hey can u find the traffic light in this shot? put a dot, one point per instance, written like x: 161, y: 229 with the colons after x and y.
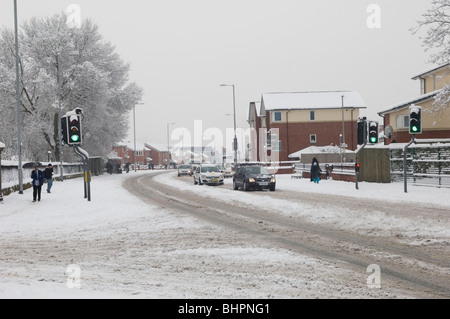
x: 64, y: 135
x: 373, y: 132
x: 362, y: 131
x: 357, y: 166
x: 415, y: 120
x: 74, y: 130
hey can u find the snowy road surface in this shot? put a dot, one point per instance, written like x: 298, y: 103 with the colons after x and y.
x: 173, y: 239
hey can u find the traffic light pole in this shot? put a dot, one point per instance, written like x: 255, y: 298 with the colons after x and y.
x: 87, y: 172
x: 356, y: 161
x: 405, y: 166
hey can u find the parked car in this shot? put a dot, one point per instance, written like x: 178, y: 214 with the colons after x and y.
x: 253, y: 177
x: 225, y: 171
x: 208, y: 174
x: 184, y: 170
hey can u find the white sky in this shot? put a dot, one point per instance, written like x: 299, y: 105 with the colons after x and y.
x: 181, y: 51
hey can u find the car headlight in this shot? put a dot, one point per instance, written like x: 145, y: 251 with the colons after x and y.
x: 220, y: 176
x: 251, y: 180
x: 272, y: 180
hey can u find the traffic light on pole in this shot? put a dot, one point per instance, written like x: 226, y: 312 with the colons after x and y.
x: 415, y: 119
x: 362, y: 131
x: 64, y: 133
x: 74, y: 130
x: 373, y: 132
x: 357, y: 166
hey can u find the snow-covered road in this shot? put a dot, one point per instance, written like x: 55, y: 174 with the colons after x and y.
x: 121, y: 246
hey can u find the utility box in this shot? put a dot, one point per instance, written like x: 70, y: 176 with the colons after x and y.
x: 375, y: 165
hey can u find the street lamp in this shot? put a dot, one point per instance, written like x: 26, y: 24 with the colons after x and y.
x: 134, y: 134
x: 19, y: 121
x: 168, y: 145
x: 234, y: 115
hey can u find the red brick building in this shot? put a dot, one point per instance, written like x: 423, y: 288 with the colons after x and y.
x: 289, y: 122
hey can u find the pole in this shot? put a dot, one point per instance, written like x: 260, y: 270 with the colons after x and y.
x: 134, y: 128
x: 168, y: 147
x: 19, y: 120
x: 61, y: 167
x: 235, y: 137
x: 405, y: 163
x: 87, y: 172
x: 343, y: 125
x: 356, y: 162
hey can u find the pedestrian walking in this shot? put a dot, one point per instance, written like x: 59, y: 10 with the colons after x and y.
x: 315, y: 171
x: 48, y: 175
x: 127, y: 167
x: 37, y: 177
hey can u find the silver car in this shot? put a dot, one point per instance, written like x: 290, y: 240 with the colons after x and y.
x: 184, y: 170
x: 208, y: 174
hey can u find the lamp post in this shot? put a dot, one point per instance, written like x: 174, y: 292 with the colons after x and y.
x: 168, y: 145
x: 343, y: 128
x: 134, y: 134
x: 19, y: 121
x: 234, y: 115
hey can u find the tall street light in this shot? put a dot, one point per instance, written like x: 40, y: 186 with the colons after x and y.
x: 134, y: 134
x: 168, y: 145
x: 234, y: 115
x: 19, y: 121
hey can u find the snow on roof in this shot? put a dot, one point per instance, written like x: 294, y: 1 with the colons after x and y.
x: 317, y: 150
x: 404, y: 104
x: 312, y: 100
x: 158, y: 147
x: 2, y: 145
x: 431, y: 70
x: 130, y: 145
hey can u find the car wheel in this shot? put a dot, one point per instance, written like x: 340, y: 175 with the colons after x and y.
x: 245, y: 186
x: 272, y: 189
x: 235, y: 187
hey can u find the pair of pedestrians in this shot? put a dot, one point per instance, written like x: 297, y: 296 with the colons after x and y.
x: 37, y: 178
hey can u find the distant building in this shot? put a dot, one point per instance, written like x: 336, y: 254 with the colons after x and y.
x: 125, y: 152
x: 396, y: 118
x: 305, y: 119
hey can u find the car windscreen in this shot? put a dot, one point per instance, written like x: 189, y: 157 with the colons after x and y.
x: 185, y: 166
x: 208, y: 169
x: 256, y: 170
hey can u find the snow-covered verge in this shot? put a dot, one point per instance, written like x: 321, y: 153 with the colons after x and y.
x: 122, y: 247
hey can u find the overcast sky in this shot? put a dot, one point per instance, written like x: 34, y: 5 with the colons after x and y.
x: 180, y: 52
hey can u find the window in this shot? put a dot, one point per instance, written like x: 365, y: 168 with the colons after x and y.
x: 277, y: 116
x: 402, y: 121
x: 312, y: 115
x: 313, y: 138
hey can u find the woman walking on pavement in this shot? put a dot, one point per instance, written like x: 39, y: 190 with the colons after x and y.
x: 315, y: 171
x: 37, y: 177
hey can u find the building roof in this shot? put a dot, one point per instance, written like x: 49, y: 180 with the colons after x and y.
x: 434, y: 69
x: 157, y: 147
x: 317, y: 150
x: 311, y: 100
x: 405, y: 104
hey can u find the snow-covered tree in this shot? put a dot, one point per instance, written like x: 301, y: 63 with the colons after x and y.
x: 93, y: 77
x: 436, y: 20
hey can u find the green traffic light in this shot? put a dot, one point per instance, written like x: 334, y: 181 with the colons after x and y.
x: 373, y: 139
x: 75, y: 138
x: 414, y: 128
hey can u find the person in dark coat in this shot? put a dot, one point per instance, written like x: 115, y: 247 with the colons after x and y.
x: 48, y: 175
x: 37, y: 178
x: 315, y: 171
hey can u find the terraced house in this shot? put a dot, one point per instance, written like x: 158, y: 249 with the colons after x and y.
x: 435, y: 124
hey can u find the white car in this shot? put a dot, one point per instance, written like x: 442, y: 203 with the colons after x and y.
x: 225, y: 171
x: 208, y: 174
